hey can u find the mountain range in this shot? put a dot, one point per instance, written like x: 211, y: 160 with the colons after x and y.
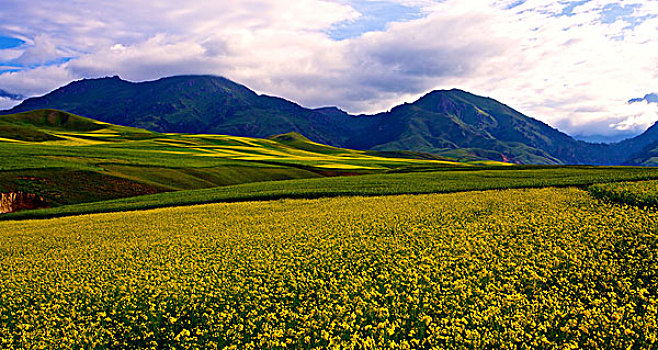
x: 449, y: 123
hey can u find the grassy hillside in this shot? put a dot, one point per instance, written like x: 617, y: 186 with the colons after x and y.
x: 54, y: 125
x: 70, y: 159
x: 528, y: 269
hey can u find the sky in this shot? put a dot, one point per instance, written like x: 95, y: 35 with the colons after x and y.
x: 588, y: 68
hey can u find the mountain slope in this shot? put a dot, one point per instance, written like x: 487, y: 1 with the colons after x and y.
x: 451, y: 123
x: 643, y: 149
x: 188, y: 104
x: 52, y: 125
x: 446, y: 122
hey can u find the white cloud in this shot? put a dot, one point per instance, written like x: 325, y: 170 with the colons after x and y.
x: 42, y: 51
x: 36, y: 81
x: 155, y: 57
x: 7, y: 103
x: 574, y: 72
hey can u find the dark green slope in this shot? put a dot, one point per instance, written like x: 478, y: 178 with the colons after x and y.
x: 450, y: 123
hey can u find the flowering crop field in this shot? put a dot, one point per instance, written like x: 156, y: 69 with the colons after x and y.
x: 640, y: 193
x: 511, y: 269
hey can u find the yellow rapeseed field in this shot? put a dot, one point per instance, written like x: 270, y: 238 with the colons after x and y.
x: 513, y: 269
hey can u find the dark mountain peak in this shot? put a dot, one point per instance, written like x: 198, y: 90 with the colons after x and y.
x: 441, y: 95
x: 82, y: 85
x: 453, y: 102
x: 199, y: 81
x: 331, y: 109
x: 201, y: 85
x: 114, y: 78
x: 449, y: 93
x: 219, y: 80
x: 455, y: 95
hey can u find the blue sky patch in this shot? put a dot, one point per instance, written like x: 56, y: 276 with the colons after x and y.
x: 649, y: 98
x: 515, y: 4
x: 610, y: 13
x: 571, y: 5
x: 7, y: 42
x: 375, y: 15
x: 9, y: 69
x: 16, y: 67
x: 614, y: 12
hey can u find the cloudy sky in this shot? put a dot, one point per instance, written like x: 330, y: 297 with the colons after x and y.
x: 572, y: 64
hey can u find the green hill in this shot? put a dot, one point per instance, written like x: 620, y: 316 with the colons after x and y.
x: 50, y: 125
x: 69, y: 159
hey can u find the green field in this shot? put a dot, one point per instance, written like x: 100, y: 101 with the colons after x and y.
x: 638, y: 193
x: 365, y: 185
x: 69, y: 159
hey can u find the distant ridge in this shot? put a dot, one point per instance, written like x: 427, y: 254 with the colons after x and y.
x: 452, y: 123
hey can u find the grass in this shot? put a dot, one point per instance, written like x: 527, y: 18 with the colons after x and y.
x: 640, y: 193
x: 365, y: 185
x: 51, y: 143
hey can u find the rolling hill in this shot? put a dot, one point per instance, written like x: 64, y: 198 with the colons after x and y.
x: 67, y: 159
x: 448, y: 123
